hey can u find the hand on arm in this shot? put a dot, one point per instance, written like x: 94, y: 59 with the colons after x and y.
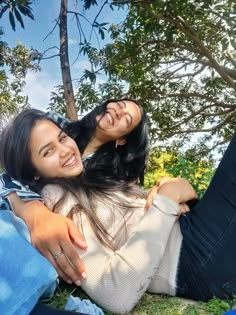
x: 178, y: 189
x: 52, y: 233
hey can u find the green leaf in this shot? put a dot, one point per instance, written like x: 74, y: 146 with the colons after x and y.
x: 26, y: 10
x: 12, y: 20
x: 3, y: 10
x: 89, y: 3
x: 19, y: 18
x: 89, y: 75
x: 101, y: 32
x: 104, y: 24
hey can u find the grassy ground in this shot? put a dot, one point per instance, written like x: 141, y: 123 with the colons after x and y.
x: 154, y: 304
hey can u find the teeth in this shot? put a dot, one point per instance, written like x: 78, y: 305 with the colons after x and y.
x: 70, y: 161
x: 109, y: 118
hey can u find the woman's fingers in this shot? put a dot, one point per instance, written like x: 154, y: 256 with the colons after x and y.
x: 64, y: 267
x: 65, y: 257
x: 72, y: 264
x: 151, y: 193
x: 52, y: 234
x: 75, y: 235
x: 60, y: 272
x: 183, y: 208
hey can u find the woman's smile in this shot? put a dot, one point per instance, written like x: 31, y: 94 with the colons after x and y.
x: 118, y: 120
x: 71, y: 161
x: 58, y: 155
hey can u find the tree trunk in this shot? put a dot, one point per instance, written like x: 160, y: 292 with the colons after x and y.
x: 65, y: 65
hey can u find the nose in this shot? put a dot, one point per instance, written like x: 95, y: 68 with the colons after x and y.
x: 119, y: 108
x: 63, y: 149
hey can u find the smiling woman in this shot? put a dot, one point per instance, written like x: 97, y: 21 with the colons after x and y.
x: 111, y: 211
x: 109, y: 122
x: 122, y: 159
x: 57, y: 151
x: 120, y: 119
x: 113, y: 140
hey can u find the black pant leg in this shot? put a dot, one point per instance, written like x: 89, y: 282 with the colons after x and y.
x: 212, y: 215
x: 208, y: 256
x: 43, y: 309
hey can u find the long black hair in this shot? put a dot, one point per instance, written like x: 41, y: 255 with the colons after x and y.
x: 120, y: 163
x: 107, y: 179
x: 15, y: 155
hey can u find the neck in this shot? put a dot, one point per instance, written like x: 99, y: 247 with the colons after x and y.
x: 92, y: 146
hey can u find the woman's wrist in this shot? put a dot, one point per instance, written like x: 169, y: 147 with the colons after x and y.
x: 27, y: 210
x: 17, y: 204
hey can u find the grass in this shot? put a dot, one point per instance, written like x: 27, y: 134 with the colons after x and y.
x: 153, y: 304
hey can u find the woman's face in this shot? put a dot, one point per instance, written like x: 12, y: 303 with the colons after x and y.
x: 53, y: 153
x: 120, y: 119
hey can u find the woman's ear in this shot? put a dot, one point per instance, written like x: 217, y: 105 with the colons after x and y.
x: 120, y: 141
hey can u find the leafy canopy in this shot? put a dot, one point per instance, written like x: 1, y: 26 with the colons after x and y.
x: 178, y: 58
x: 15, y: 9
x: 15, y: 62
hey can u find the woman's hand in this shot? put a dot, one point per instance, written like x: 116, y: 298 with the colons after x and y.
x: 54, y: 236
x: 177, y: 189
x: 183, y: 208
x: 150, y: 195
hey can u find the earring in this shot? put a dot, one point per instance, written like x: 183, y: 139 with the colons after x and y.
x: 36, y: 178
x: 119, y: 142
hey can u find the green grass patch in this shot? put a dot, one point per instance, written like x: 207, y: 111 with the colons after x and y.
x: 151, y: 304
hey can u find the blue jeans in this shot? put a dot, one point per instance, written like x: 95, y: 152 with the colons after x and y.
x: 207, y: 265
x: 25, y: 275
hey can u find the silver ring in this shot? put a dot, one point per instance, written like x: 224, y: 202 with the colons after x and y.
x: 58, y: 254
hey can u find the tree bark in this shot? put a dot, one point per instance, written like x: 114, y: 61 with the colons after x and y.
x: 65, y: 65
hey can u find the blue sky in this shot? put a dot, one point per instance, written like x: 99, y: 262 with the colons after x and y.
x: 39, y: 85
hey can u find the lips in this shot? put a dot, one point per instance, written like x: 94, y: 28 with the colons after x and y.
x: 70, y: 162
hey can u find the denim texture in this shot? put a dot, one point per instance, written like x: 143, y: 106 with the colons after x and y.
x: 25, y: 275
x: 207, y: 265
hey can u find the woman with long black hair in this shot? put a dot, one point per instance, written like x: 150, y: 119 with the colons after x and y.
x: 132, y: 249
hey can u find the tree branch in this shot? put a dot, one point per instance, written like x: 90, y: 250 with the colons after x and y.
x: 105, y: 3
x: 51, y: 32
x: 187, y: 30
x: 191, y: 34
x: 212, y: 129
x: 195, y: 94
x: 50, y: 57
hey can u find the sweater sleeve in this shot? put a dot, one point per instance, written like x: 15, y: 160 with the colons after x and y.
x: 118, y: 279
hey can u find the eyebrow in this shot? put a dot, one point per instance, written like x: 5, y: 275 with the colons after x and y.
x: 48, y: 144
x: 122, y: 102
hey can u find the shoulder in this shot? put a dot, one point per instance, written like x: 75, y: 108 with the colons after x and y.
x: 51, y: 194
x: 52, y: 188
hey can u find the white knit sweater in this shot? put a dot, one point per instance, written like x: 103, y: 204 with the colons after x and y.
x: 147, y: 252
